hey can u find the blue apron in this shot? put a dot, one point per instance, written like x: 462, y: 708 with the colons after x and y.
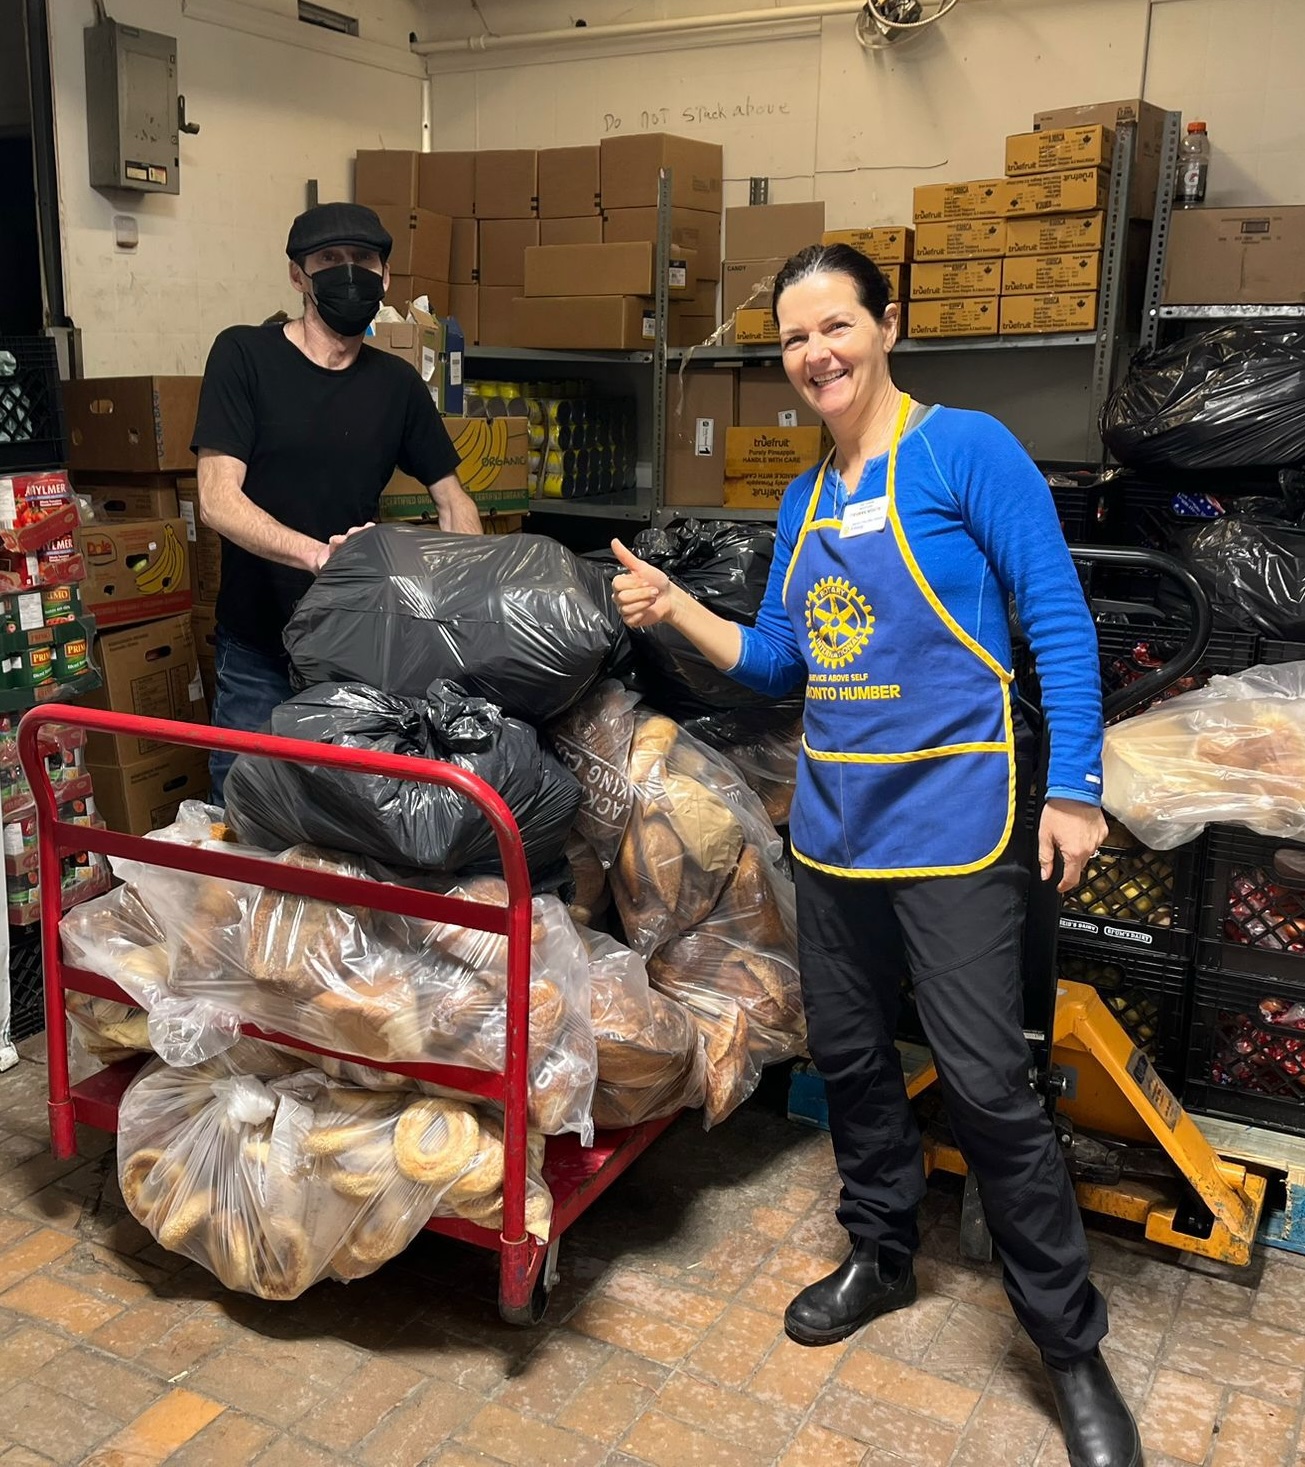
x: 908, y: 765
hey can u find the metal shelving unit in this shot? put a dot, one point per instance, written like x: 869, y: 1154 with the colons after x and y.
x: 768, y: 354
x: 1232, y: 313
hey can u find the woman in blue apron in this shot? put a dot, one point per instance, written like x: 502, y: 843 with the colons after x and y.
x: 894, y: 561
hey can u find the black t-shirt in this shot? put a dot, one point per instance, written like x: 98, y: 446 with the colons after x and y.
x: 318, y: 446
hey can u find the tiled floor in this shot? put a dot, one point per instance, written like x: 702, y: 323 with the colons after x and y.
x: 663, y: 1344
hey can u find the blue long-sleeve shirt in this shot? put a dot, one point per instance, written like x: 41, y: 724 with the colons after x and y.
x: 982, y: 525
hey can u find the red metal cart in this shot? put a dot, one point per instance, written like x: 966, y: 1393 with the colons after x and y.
x: 575, y: 1175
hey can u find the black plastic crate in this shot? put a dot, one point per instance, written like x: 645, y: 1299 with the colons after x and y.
x: 1146, y: 993
x: 33, y: 434
x: 26, y: 985
x: 1131, y: 646
x: 1246, y: 1055
x: 1133, y: 897
x: 1252, y: 918
x: 1273, y: 651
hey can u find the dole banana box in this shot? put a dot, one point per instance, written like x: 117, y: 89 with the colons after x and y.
x: 136, y: 570
x: 493, y: 466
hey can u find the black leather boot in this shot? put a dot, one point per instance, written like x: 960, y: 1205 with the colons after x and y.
x: 1098, y: 1426
x: 855, y: 1293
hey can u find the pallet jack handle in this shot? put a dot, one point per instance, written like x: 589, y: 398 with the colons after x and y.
x: 1042, y: 920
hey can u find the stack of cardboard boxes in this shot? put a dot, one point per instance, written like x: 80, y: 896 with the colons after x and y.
x: 758, y: 239
x: 502, y: 203
x: 1021, y: 254
x: 401, y: 187
x: 130, y: 453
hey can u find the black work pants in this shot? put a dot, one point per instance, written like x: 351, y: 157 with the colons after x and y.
x: 958, y: 940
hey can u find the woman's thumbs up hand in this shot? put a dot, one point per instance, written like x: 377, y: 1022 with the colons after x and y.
x: 643, y: 594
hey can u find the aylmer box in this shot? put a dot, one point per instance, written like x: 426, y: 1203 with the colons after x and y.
x: 136, y: 570
x: 151, y: 671
x: 131, y: 424
x: 760, y: 463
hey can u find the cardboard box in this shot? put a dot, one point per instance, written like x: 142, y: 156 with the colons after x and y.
x: 203, y: 626
x: 886, y: 244
x: 127, y: 502
x: 422, y: 241
x: 1046, y: 274
x: 582, y: 322
x: 493, y: 465
x: 977, y: 198
x: 738, y: 278
x: 703, y: 300
x: 1055, y: 234
x: 760, y: 463
x: 948, y: 279
x: 145, y: 796
x: 1051, y: 150
x: 1023, y: 315
x: 1237, y: 257
x: 689, y: 329
x: 755, y: 327
x: 136, y: 570
x: 140, y: 424
x: 628, y: 169
x: 203, y: 545
x: 386, y: 176
x: 506, y: 184
x: 503, y: 246
x: 768, y: 399
x: 464, y: 308
x: 446, y: 183
x: 961, y: 239
x: 568, y: 182
x: 699, y: 409
x: 691, y: 228
x: 607, y: 269
x: 464, y: 252
x: 759, y: 231
x: 582, y: 229
x: 1056, y: 193
x: 423, y: 343
x: 494, y: 310
x: 1148, y: 151
x: 972, y: 316
x: 151, y: 671
x: 404, y: 289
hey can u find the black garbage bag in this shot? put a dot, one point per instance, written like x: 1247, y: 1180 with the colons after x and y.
x: 1252, y: 569
x: 516, y: 619
x: 400, y: 823
x: 1225, y: 398
x: 725, y: 565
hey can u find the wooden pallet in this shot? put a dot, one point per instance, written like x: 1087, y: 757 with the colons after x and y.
x: 1279, y: 1157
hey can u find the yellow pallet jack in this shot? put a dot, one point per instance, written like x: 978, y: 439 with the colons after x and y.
x: 1133, y: 1150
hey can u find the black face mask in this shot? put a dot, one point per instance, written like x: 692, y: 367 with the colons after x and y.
x: 347, y: 297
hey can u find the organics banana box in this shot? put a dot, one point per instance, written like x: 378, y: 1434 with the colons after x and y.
x: 151, y: 670
x: 136, y: 570
x: 493, y: 465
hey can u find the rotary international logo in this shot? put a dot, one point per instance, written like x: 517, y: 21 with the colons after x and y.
x: 839, y: 621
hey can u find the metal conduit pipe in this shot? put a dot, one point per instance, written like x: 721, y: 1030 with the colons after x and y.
x: 588, y: 33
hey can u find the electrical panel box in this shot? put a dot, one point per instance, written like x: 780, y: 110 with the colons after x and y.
x: 131, y: 109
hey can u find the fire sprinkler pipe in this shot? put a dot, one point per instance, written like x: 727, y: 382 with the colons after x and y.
x: 626, y: 29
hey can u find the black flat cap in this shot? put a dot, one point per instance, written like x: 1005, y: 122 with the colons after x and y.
x: 338, y: 224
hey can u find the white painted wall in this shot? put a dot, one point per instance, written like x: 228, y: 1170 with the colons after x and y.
x: 273, y: 114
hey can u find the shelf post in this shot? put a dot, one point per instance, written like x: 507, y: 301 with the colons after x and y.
x: 660, y: 314
x: 1110, y: 306
x: 1164, y: 204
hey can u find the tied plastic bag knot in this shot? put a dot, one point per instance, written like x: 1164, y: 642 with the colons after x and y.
x: 243, y: 1100
x: 459, y: 720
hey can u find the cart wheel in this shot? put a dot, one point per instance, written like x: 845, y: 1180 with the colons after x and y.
x: 533, y: 1311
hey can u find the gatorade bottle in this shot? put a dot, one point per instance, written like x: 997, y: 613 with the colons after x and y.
x: 1193, y: 166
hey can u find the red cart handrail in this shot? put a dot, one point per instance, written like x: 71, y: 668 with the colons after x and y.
x: 58, y: 838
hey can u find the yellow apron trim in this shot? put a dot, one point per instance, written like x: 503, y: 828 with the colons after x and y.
x: 808, y: 523
x: 941, y: 751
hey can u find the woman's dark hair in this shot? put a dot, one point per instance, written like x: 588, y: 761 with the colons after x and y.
x: 836, y: 259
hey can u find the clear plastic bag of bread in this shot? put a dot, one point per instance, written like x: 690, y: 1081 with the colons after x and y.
x: 593, y: 740
x: 460, y: 975
x: 592, y: 896
x: 684, y: 836
x: 768, y: 763
x: 652, y: 1058
x: 273, y: 1181
x: 1230, y: 753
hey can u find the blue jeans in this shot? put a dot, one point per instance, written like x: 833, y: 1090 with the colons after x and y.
x: 250, y: 684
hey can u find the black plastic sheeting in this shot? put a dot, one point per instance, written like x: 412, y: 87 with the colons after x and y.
x: 516, y: 619
x: 401, y: 823
x: 1230, y: 397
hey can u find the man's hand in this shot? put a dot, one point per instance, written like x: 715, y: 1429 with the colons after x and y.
x: 457, y: 510
x: 334, y: 543
x: 643, y: 594
x: 1075, y: 829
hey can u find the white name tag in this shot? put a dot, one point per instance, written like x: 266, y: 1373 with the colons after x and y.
x: 863, y: 517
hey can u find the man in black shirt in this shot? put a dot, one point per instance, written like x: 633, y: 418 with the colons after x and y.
x: 300, y: 426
